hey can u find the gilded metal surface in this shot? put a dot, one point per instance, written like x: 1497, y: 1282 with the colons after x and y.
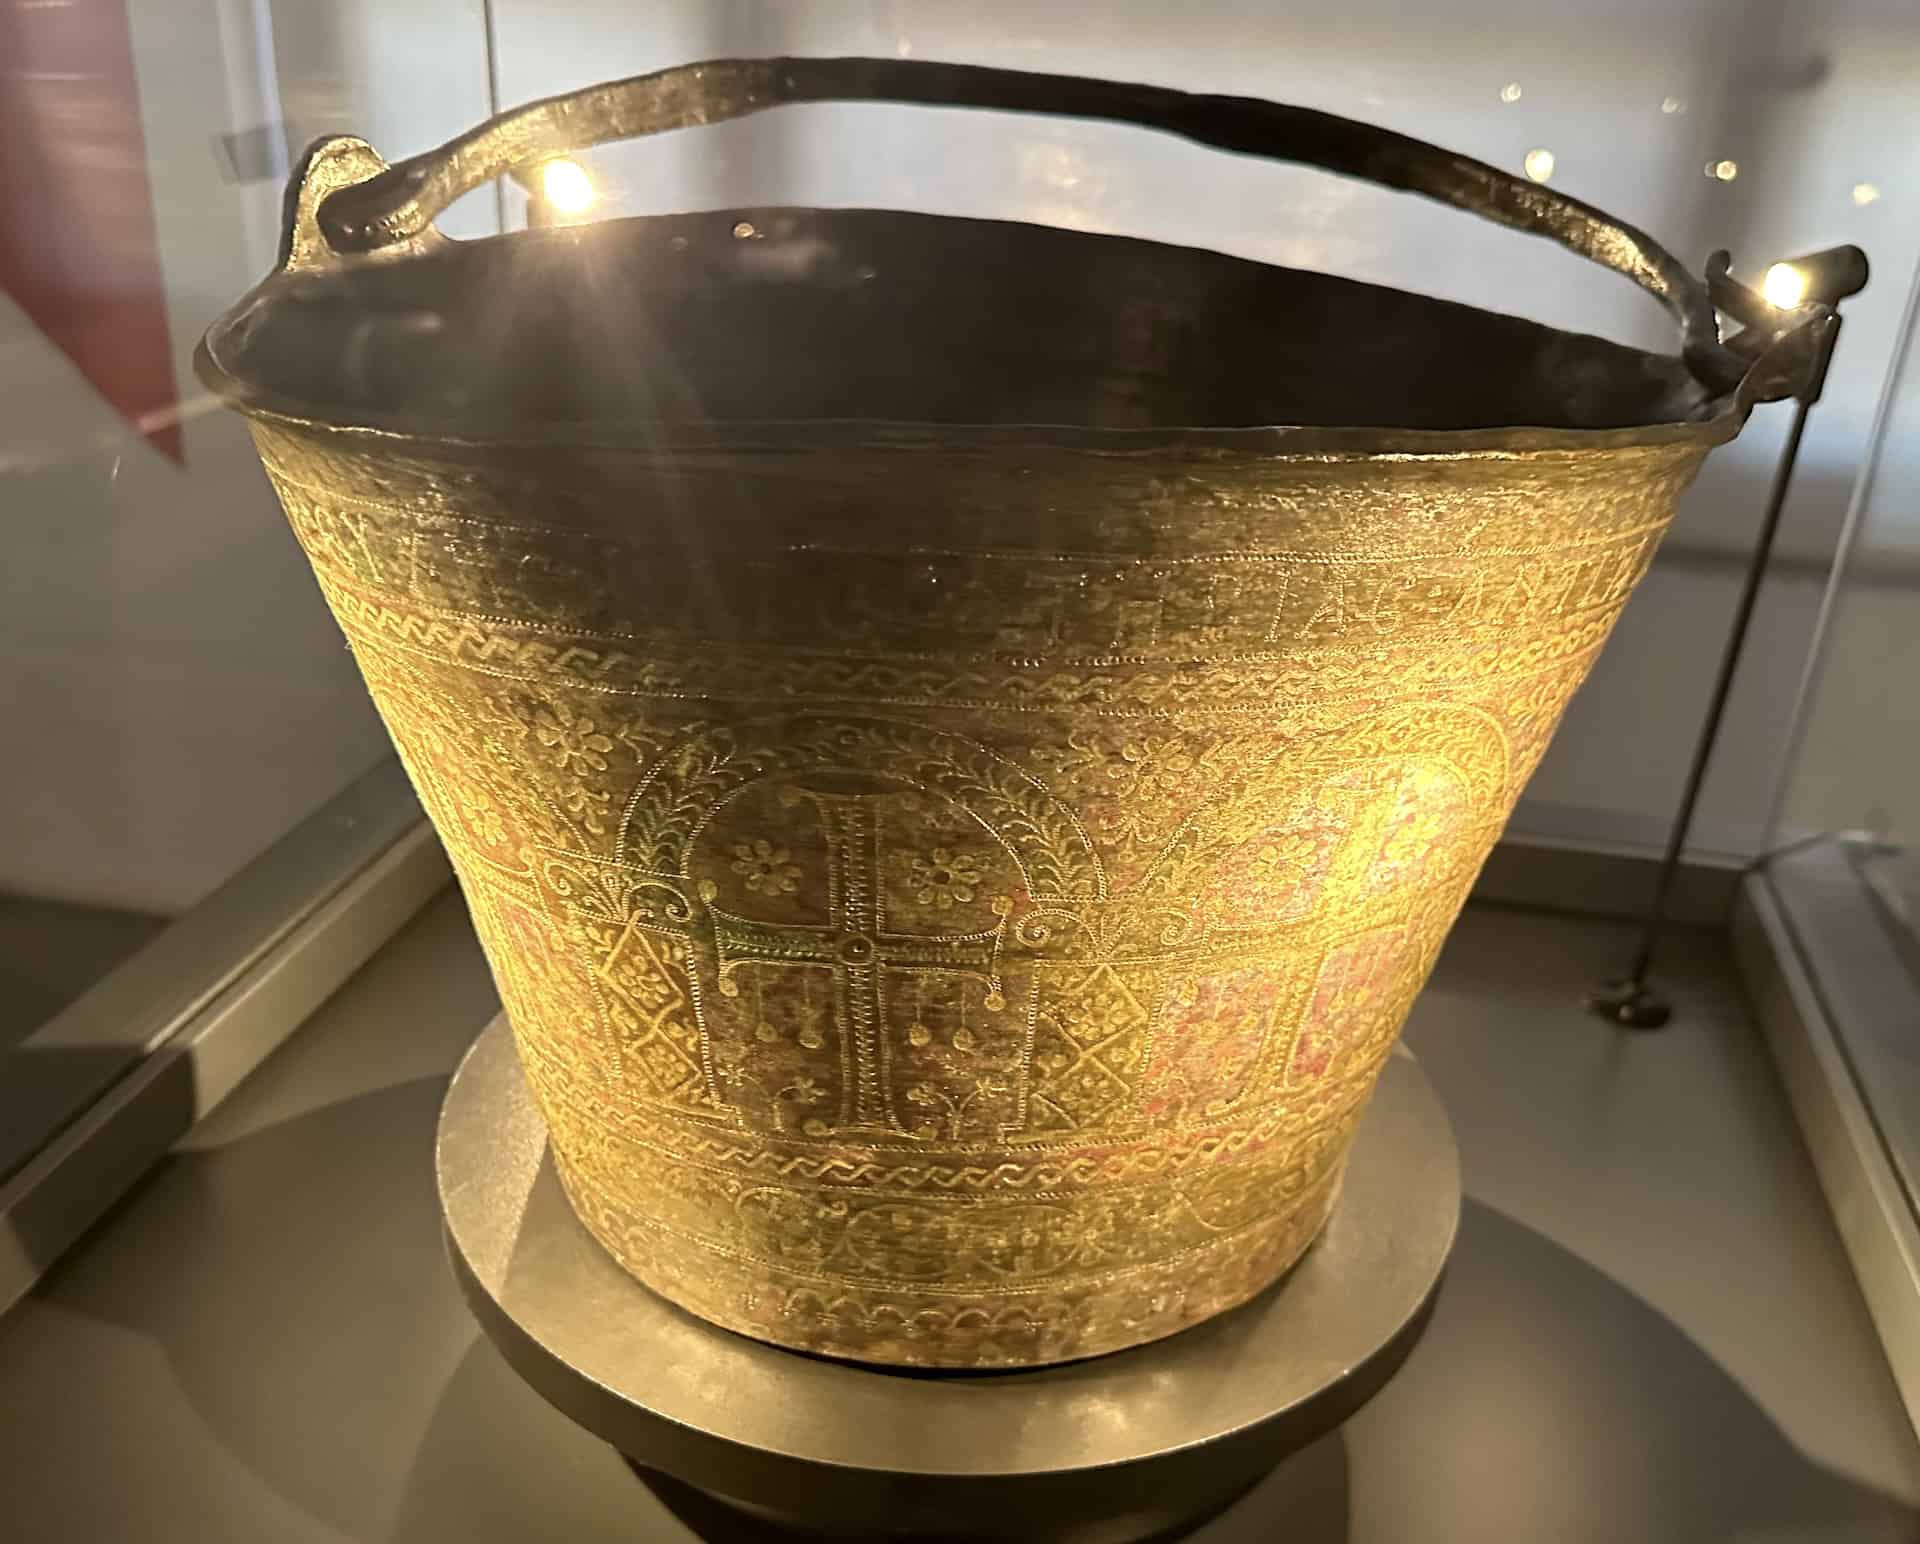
x: 973, y: 950
x: 955, y: 887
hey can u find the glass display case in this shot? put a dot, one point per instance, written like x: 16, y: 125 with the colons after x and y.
x: 1829, y: 921
x: 192, y: 771
x: 1856, y: 774
x: 862, y: 995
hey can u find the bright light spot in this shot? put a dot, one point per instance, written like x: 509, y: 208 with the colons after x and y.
x: 1865, y: 193
x: 743, y: 231
x: 1723, y: 171
x: 1510, y: 92
x: 1785, y: 286
x: 1539, y: 164
x: 567, y: 187
x: 1672, y: 105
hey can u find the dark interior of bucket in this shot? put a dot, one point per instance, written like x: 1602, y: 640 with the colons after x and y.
x: 747, y: 316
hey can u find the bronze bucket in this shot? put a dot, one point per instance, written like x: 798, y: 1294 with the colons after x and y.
x: 961, y: 739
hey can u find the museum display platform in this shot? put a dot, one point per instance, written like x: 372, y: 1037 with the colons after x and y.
x: 1648, y: 1329
x: 1118, y: 1447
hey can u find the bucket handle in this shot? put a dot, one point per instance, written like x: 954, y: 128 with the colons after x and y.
x: 395, y: 207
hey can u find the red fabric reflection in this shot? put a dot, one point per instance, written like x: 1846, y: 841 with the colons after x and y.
x: 78, y: 249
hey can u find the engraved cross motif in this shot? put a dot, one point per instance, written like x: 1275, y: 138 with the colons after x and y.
x: 859, y: 950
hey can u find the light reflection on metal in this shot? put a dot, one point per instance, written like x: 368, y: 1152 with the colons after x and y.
x: 955, y: 887
x: 1785, y: 286
x: 567, y: 188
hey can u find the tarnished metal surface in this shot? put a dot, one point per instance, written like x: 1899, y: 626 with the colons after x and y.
x: 954, y: 882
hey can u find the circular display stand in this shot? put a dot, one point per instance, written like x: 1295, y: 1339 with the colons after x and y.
x: 1119, y: 1447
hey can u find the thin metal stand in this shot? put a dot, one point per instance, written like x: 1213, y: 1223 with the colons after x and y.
x: 1629, y: 1000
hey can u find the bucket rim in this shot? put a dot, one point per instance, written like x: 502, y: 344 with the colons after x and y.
x: 1264, y: 442
x: 1721, y: 419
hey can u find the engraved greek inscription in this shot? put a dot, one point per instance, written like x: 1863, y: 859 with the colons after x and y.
x: 358, y: 528
x: 1219, y: 609
x: 1381, y: 610
x: 339, y: 539
x: 1134, y: 612
x: 1471, y: 603
x: 1634, y: 563
x: 1430, y: 596
x: 1041, y: 608
x: 1329, y: 619
x: 1561, y: 583
x: 946, y: 597
x: 1520, y: 598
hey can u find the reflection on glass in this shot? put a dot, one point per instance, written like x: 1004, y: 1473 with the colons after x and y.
x: 176, y: 697
x: 1858, y: 771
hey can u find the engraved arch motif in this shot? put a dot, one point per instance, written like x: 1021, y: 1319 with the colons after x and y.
x: 852, y: 980
x: 1275, y: 797
x: 711, y: 764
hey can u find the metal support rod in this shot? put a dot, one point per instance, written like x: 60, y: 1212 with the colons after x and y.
x: 1722, y: 689
x: 1629, y: 1000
